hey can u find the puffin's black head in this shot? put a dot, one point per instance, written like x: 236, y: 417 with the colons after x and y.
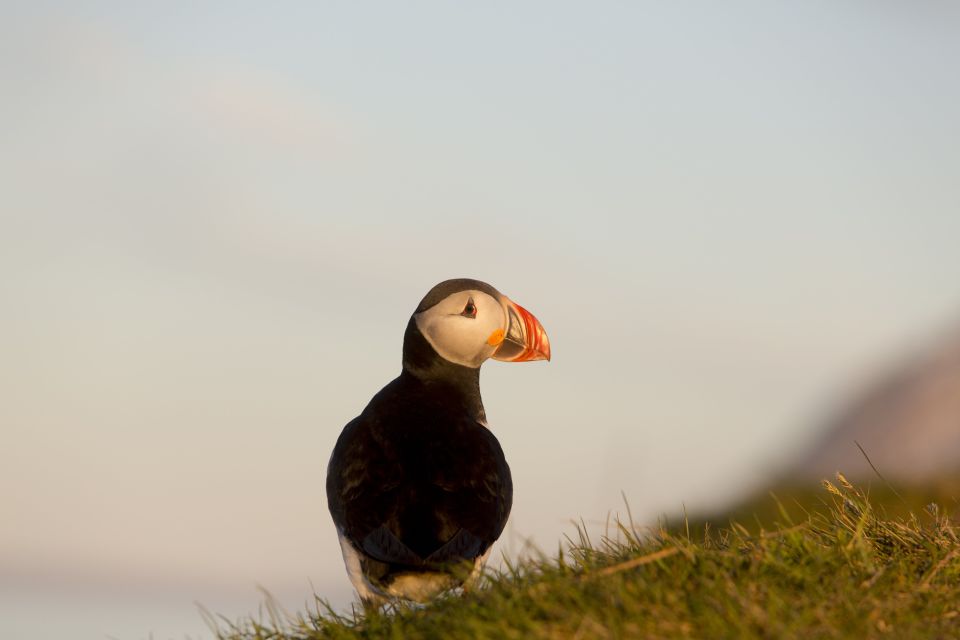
x: 466, y: 321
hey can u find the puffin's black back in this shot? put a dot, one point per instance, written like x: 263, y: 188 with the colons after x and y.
x: 416, y: 481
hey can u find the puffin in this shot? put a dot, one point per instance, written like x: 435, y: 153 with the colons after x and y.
x: 417, y: 485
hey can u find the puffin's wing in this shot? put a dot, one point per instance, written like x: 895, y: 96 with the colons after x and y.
x: 463, y: 545
x: 360, y: 485
x: 383, y: 545
x: 478, y: 494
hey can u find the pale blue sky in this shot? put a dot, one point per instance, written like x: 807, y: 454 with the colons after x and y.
x: 216, y: 220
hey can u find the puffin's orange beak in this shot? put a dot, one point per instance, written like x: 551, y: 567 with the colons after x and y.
x: 524, y: 339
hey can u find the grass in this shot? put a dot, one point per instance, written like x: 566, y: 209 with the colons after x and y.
x: 847, y: 568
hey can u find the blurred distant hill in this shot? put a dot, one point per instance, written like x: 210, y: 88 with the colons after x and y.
x: 908, y: 423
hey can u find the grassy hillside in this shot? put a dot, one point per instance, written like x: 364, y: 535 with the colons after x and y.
x: 846, y: 567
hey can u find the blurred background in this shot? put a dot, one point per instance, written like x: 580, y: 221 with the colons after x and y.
x: 739, y: 224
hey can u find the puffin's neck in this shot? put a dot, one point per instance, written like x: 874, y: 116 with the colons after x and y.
x: 452, y: 382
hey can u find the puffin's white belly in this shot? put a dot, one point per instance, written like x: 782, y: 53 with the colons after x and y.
x: 351, y: 559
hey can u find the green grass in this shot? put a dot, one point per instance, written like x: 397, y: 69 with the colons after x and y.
x: 846, y: 568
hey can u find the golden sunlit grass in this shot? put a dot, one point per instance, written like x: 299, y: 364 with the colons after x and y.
x: 846, y: 569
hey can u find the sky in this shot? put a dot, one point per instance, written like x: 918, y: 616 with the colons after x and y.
x: 216, y: 220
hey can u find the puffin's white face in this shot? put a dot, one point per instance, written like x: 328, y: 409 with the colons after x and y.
x: 465, y: 327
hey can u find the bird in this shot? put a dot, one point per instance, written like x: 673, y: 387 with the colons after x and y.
x: 417, y: 485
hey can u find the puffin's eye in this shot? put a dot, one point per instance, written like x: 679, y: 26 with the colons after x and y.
x: 469, y: 311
